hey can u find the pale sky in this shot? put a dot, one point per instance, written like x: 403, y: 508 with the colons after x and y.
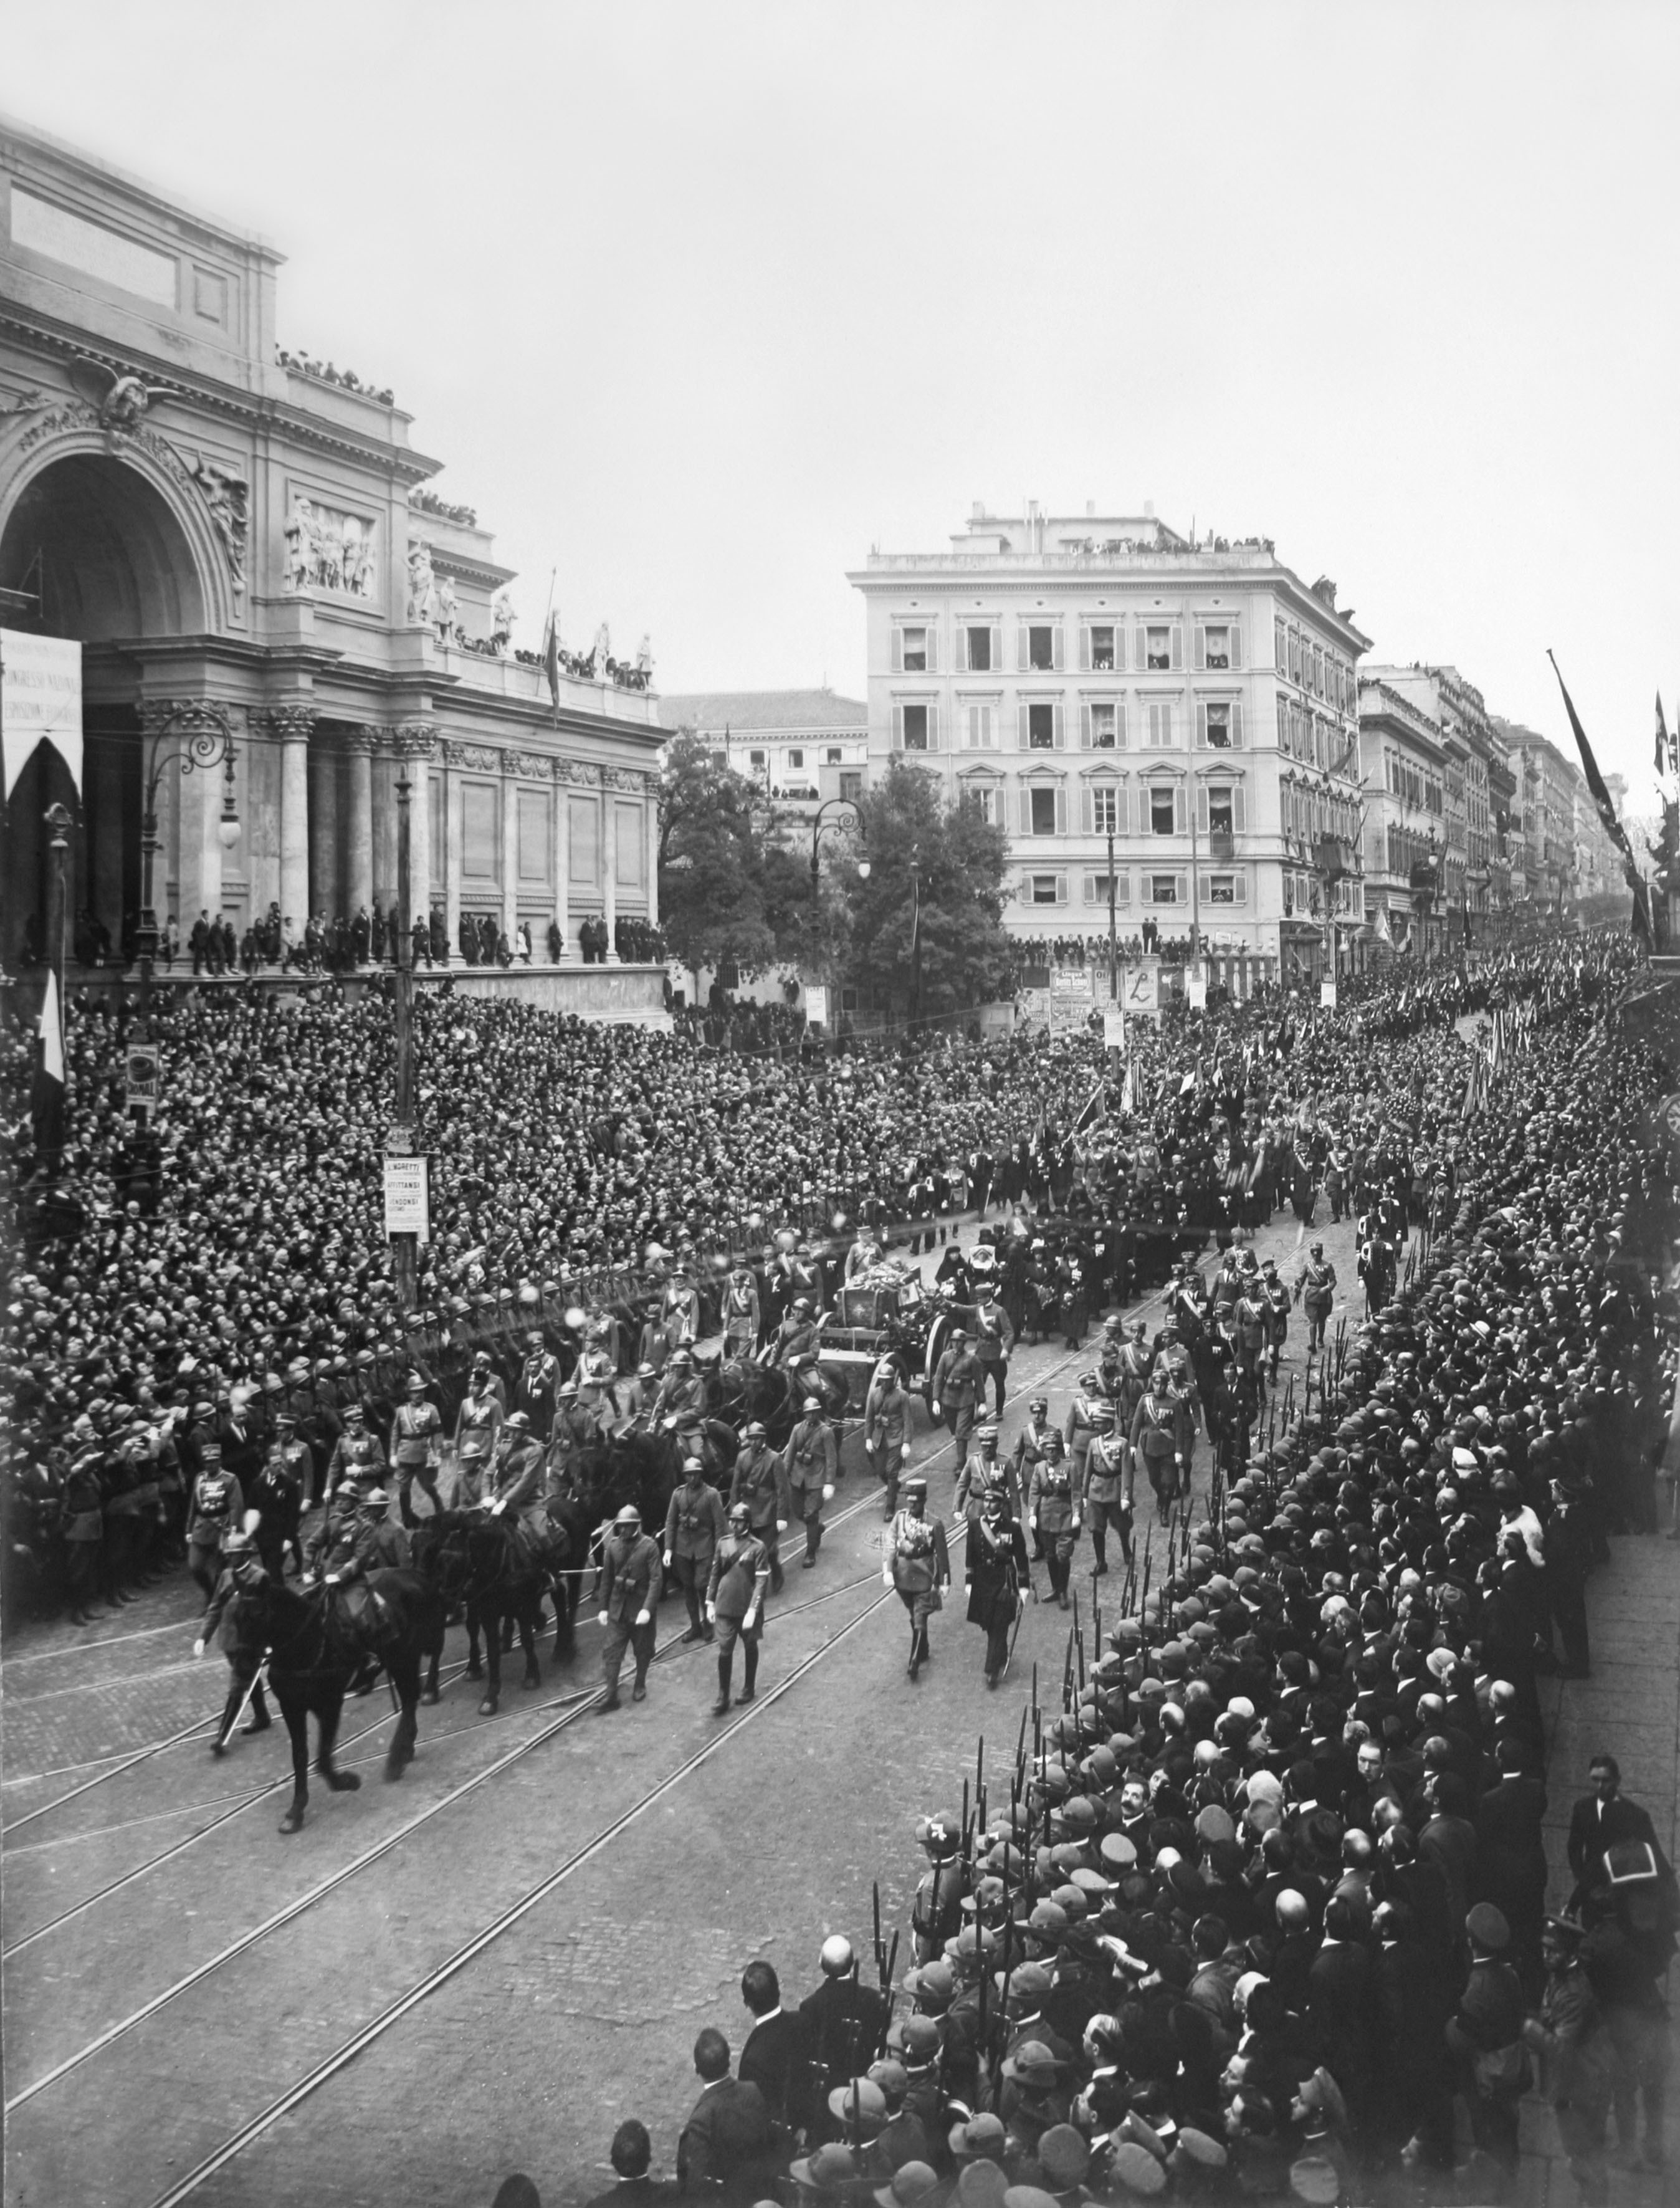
x: 698, y: 303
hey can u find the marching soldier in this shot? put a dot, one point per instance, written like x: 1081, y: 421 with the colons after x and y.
x: 358, y: 1456
x: 742, y: 1318
x: 1107, y: 1488
x: 994, y: 1338
x: 1090, y: 1401
x: 1134, y: 1363
x: 1052, y: 1510
x: 242, y: 1573
x: 216, y: 1504
x: 1277, y: 1300
x: 82, y: 1527
x: 535, y: 1389
x: 694, y: 1527
x: 1029, y: 1443
x: 416, y: 1435
x: 982, y: 1473
x: 812, y: 1464
x: 277, y: 1493
x: 1160, y: 1436
x: 477, y: 1425
x: 958, y: 1378
x: 760, y: 1482
x: 998, y: 1571
x: 629, y: 1594
x: 887, y: 1421
x: 735, y: 1603
x: 917, y: 1564
x: 1316, y: 1288
x: 1251, y: 1318
x: 936, y: 1913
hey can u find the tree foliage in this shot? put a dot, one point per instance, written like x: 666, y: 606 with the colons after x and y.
x: 961, y: 858
x: 716, y: 861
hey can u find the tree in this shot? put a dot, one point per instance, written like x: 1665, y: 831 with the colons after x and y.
x: 959, y: 858
x: 714, y: 839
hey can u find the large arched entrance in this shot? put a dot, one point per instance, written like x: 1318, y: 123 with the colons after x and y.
x: 90, y: 551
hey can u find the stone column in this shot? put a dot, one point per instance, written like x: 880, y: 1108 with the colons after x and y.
x: 415, y: 745
x: 452, y: 854
x: 358, y: 743
x: 560, y: 845
x: 650, y: 814
x: 326, y: 834
x: 289, y: 726
x: 609, y: 867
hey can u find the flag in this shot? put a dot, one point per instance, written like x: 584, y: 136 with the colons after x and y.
x: 1601, y: 798
x: 551, y: 659
x: 1660, y: 762
x: 46, y: 1106
x: 1094, y: 1109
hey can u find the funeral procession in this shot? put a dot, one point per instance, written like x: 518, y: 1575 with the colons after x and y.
x: 846, y: 1376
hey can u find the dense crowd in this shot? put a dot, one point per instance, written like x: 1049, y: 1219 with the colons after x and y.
x: 1262, y: 1907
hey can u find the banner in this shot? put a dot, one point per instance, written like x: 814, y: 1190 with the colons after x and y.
x: 1327, y: 995
x: 41, y: 701
x: 408, y: 1196
x: 1195, y: 990
x: 140, y: 1077
x: 1114, y: 1030
x: 1140, y: 986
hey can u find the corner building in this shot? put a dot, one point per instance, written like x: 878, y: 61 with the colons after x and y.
x: 1076, y: 678
x: 231, y: 529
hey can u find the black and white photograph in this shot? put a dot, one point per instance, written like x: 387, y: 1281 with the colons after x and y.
x: 840, y: 1048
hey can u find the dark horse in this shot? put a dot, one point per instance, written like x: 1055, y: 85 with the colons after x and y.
x: 315, y: 1650
x: 486, y: 1565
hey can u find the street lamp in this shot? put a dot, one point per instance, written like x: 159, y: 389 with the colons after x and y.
x: 59, y: 819
x: 207, y: 742
x: 839, y: 827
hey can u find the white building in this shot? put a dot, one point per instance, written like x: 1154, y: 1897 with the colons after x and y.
x: 802, y: 746
x: 1082, y: 678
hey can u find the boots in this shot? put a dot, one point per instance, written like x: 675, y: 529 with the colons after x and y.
x: 750, y: 1649
x: 724, y: 1666
x: 1100, y: 1542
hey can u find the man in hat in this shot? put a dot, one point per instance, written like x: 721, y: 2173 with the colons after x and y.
x: 1160, y: 1439
x: 417, y: 1436
x: 477, y: 1425
x: 1578, y: 2056
x: 1316, y: 1289
x: 737, y: 1581
x: 538, y: 1380
x: 994, y: 1338
x: 985, y: 1471
x: 1485, y: 2036
x: 241, y: 1574
x: 998, y: 1571
x: 743, y: 1320
x: 761, y: 1481
x: 216, y: 1504
x: 888, y: 1425
x: 797, y: 1335
x: 1053, y: 1513
x: 629, y: 1596
x: 812, y: 1465
x: 958, y: 1378
x: 278, y: 1494
x: 1108, y: 1487
x: 694, y: 1527
x: 915, y: 1561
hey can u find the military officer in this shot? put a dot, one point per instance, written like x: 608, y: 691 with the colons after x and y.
x: 994, y: 1338
x: 983, y: 1473
x: 694, y: 1527
x: 416, y: 1435
x: 216, y: 1504
x: 1133, y: 1370
x: 761, y: 1481
x: 1090, y: 1401
x: 936, y: 1912
x: 1277, y: 1301
x: 958, y: 1379
x: 1316, y: 1288
x: 629, y: 1594
x: 915, y: 1561
x: 1251, y: 1323
x: 242, y: 1573
x: 477, y: 1425
x: 1159, y: 1437
x: 737, y: 1586
x: 1107, y: 1489
x: 998, y: 1571
x: 813, y: 1466
x: 743, y: 1320
x: 887, y: 1423
x: 1054, y: 1505
x: 538, y: 1380
x: 1029, y: 1443
x: 358, y: 1456
x: 278, y: 1492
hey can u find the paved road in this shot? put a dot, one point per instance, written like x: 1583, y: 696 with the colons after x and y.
x: 672, y: 1846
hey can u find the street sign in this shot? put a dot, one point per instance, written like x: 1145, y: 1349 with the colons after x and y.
x: 1114, y: 1030
x: 816, y: 1003
x: 408, y: 1197
x: 1196, y: 990
x: 140, y: 1077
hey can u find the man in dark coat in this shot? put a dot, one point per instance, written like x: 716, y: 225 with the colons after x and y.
x: 727, y: 2143
x: 1511, y: 1860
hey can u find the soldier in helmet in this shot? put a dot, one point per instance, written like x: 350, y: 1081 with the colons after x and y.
x: 984, y: 1472
x: 797, y: 1337
x: 812, y: 1465
x: 1160, y: 1440
x: 694, y: 1527
x: 216, y: 1506
x: 888, y: 1420
x: 735, y: 1603
x: 242, y: 1573
x: 761, y: 1481
x: 680, y: 1389
x: 629, y: 1597
x: 1107, y: 1487
x: 417, y: 1436
x: 1054, y: 1505
x: 915, y: 1561
x: 936, y: 1913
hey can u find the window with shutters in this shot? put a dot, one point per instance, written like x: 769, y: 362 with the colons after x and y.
x: 1042, y: 727
x: 913, y: 651
x: 1041, y: 809
x: 1223, y: 889
x: 1158, y: 725
x: 1158, y: 647
x: 1048, y: 889
x: 1283, y: 724
x: 979, y: 724
x: 1280, y: 647
x: 1043, y: 642
x: 1096, y: 888
x: 1163, y: 809
x: 984, y: 799
x: 851, y: 785
x: 1102, y: 725
x: 1217, y: 724
x: 1105, y: 803
x: 1101, y: 654
x: 976, y: 639
x: 915, y: 720
x: 1216, y: 645
x: 1221, y: 809
x: 796, y: 759
x: 1160, y: 889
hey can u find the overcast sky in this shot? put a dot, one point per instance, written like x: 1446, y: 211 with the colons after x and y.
x: 701, y: 303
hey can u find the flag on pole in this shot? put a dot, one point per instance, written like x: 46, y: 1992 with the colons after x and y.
x: 46, y: 1104
x: 1094, y: 1109
x: 1601, y: 798
x: 1660, y: 762
x: 551, y: 659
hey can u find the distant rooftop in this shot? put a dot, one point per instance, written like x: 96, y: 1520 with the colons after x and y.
x: 740, y: 711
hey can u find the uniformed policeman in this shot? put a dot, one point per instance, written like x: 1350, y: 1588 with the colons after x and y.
x: 629, y: 1594
x: 242, y: 1573
x: 958, y: 1378
x: 915, y: 1561
x: 761, y: 1481
x: 1053, y: 1510
x: 736, y: 1587
x: 1107, y: 1488
x: 812, y: 1466
x: 1316, y: 1288
x: 694, y: 1527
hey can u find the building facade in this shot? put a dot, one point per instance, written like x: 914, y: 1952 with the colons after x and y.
x: 1079, y: 680
x: 1406, y: 764
x: 244, y: 542
x: 803, y: 746
x: 1475, y: 893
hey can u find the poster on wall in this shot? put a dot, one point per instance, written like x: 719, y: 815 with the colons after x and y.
x: 816, y: 1003
x: 1114, y: 1030
x: 1196, y: 989
x: 1140, y: 986
x: 1069, y: 999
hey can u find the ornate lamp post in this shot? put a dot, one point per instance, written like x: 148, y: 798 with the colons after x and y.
x: 848, y: 821
x: 192, y: 739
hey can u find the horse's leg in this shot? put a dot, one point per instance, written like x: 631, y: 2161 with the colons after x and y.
x: 530, y: 1627
x: 328, y: 1710
x: 475, y: 1669
x: 563, y: 1591
x: 487, y: 1707
x: 429, y: 1692
x: 403, y: 1669
x: 294, y: 1710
